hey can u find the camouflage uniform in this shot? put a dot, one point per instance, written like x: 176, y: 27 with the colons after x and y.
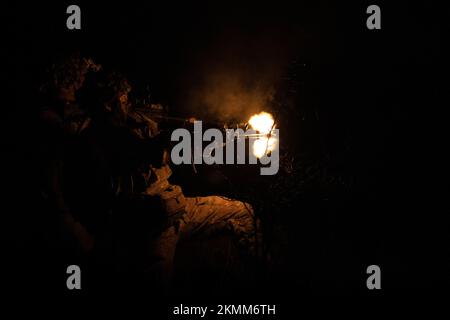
x: 196, y: 216
x: 61, y: 121
x: 136, y: 192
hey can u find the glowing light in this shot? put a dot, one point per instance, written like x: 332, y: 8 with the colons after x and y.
x: 264, y: 145
x: 263, y: 123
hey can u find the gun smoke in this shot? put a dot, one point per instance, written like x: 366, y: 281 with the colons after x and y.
x: 238, y: 76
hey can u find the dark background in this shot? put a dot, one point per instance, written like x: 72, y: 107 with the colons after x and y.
x: 363, y: 115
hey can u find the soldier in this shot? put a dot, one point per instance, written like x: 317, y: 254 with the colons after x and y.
x: 184, y: 217
x: 62, y: 120
x: 116, y: 200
